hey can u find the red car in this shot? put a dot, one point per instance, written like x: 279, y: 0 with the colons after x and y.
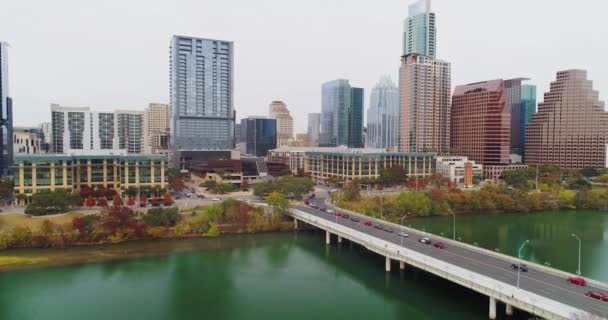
x: 439, y: 245
x: 338, y: 214
x: 368, y: 223
x: 577, y: 280
x: 597, y: 295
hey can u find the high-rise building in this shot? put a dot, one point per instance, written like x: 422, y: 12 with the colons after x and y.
x: 424, y: 86
x: 278, y: 110
x: 201, y: 98
x: 383, y: 116
x: 130, y: 130
x: 45, y: 127
x: 520, y: 106
x: 570, y: 128
x: 342, y: 115
x: 314, y: 129
x: 258, y: 136
x: 157, y: 127
x: 419, y: 30
x: 75, y: 129
x: 6, y: 116
x: 480, y: 122
x: 528, y: 107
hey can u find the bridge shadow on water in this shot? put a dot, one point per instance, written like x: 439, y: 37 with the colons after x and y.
x: 414, y: 290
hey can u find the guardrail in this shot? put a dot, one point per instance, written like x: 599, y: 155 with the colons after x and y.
x: 510, y: 294
x: 556, y: 272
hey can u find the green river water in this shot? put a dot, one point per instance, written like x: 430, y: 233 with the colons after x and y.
x: 283, y: 276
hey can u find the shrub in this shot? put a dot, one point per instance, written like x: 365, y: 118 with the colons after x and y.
x: 5, y: 241
x: 214, y: 231
x: 156, y: 232
x: 162, y: 217
x: 182, y: 229
x: 21, y: 235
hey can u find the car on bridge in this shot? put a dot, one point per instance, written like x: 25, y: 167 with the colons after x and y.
x: 368, y: 223
x: 323, y: 209
x: 330, y: 211
x: 313, y: 205
x: 378, y: 226
x: 355, y: 219
x: 425, y: 240
x: 577, y: 281
x: 522, y: 267
x: 387, y: 229
x: 439, y: 245
x: 403, y: 234
x: 597, y: 295
x: 345, y: 215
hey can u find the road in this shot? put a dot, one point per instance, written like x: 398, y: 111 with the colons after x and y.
x: 537, y: 281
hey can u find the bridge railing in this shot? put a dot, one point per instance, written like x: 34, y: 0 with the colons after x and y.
x: 556, y: 272
x: 517, y: 297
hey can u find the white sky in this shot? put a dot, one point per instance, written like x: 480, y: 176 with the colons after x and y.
x: 114, y: 54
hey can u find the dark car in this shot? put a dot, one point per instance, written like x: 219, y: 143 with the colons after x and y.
x: 355, y: 219
x: 522, y: 267
x: 577, y: 280
x: 425, y: 240
x: 387, y: 229
x: 597, y: 295
x: 378, y: 226
x: 345, y: 215
x: 322, y: 209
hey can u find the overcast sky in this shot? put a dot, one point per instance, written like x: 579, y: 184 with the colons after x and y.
x: 114, y: 54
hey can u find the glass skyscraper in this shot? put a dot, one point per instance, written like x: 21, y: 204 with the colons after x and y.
x: 383, y: 116
x: 419, y: 30
x: 201, y: 97
x: 342, y: 115
x: 528, y: 107
x: 258, y: 136
x: 6, y: 118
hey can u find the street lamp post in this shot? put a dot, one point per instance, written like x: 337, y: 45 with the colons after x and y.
x: 454, y: 226
x: 578, y: 271
x: 402, y: 227
x: 519, y: 256
x: 381, y: 205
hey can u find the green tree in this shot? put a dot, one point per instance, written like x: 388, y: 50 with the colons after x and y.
x: 415, y: 203
x: 162, y: 217
x: 516, y: 178
x: 351, y: 191
x: 278, y: 202
x: 214, y: 230
x: 567, y: 199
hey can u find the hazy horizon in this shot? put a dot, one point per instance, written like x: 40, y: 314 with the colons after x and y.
x: 115, y: 54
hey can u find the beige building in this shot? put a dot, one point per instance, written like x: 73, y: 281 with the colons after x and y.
x: 570, y: 128
x: 424, y: 89
x: 26, y: 143
x: 454, y: 168
x: 157, y: 128
x: 278, y: 110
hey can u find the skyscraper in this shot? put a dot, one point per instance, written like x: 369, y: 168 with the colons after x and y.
x: 201, y: 98
x: 383, y: 116
x: 314, y: 128
x: 419, y: 30
x: 528, y: 107
x: 480, y: 122
x: 424, y: 86
x: 570, y: 128
x: 278, y: 110
x: 130, y: 130
x: 342, y: 115
x: 258, y: 136
x: 157, y: 125
x: 515, y: 101
x: 6, y: 116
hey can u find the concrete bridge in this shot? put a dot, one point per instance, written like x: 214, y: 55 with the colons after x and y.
x: 542, y: 291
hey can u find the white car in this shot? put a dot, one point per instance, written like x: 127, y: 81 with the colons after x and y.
x: 403, y: 234
x: 330, y: 211
x: 216, y: 199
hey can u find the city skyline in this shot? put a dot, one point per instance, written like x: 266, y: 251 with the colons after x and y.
x: 143, y: 65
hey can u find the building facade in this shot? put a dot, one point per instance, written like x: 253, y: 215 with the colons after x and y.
x: 34, y: 173
x: 202, y: 101
x: 342, y: 115
x: 258, y: 136
x: 130, y: 130
x: 494, y: 172
x: 26, y: 143
x: 419, y: 30
x: 157, y: 128
x: 481, y: 122
x: 458, y: 169
x: 278, y: 110
x: 345, y: 164
x: 314, y: 129
x: 6, y: 114
x: 528, y: 108
x: 570, y: 128
x: 383, y: 116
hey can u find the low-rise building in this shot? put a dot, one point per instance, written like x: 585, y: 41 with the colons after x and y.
x: 454, y: 168
x: 494, y: 171
x: 113, y: 169
x: 294, y: 156
x: 26, y: 143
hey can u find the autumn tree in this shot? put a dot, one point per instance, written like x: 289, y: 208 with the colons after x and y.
x: 117, y: 201
x: 90, y: 202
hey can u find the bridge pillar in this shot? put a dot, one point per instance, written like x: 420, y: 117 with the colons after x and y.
x: 509, y: 310
x: 401, y: 265
x: 492, y: 308
x: 327, y: 237
x: 388, y: 264
x: 295, y: 224
x: 339, y: 239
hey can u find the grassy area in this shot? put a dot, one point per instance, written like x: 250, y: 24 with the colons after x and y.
x: 13, y: 261
x: 8, y: 221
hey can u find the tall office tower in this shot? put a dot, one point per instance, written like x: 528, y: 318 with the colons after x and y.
x: 81, y: 129
x: 237, y: 135
x: 383, y: 116
x: 342, y: 115
x: 570, y: 128
x: 515, y: 101
x: 419, y: 30
x: 314, y: 129
x: 157, y: 126
x: 424, y: 86
x: 278, y: 110
x: 258, y: 136
x: 6, y: 116
x: 201, y: 99
x: 528, y: 107
x: 480, y: 122
x: 130, y: 130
